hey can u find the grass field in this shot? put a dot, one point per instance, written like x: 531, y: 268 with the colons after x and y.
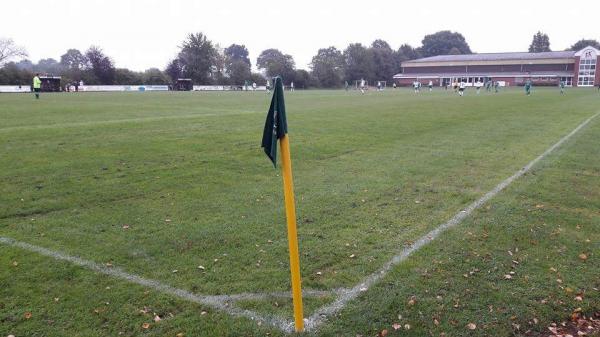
x: 158, y: 184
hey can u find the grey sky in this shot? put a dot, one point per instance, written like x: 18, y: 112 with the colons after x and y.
x: 142, y: 34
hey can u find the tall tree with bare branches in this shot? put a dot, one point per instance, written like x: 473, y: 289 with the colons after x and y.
x: 9, y: 50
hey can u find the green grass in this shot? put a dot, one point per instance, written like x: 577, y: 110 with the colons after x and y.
x: 372, y: 173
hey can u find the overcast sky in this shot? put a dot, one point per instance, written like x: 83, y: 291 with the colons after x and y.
x: 139, y: 34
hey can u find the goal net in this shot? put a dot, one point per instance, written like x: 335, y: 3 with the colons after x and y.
x: 381, y: 85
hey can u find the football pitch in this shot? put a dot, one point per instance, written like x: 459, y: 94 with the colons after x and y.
x: 158, y: 214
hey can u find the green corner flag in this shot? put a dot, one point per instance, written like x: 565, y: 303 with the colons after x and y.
x: 276, y: 123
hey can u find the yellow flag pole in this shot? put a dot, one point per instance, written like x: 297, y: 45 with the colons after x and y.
x: 290, y: 212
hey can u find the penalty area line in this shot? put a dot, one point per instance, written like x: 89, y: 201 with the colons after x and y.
x: 321, y: 314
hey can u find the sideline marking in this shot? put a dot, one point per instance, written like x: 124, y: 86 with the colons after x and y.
x: 222, y: 302
x: 121, y: 121
x: 347, y: 295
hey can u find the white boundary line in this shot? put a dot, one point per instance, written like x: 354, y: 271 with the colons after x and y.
x: 121, y: 121
x: 223, y: 302
x: 321, y: 314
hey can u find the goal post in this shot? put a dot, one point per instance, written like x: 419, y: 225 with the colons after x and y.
x: 357, y: 84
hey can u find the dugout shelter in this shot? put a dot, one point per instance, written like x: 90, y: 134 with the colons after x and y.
x: 184, y: 84
x: 50, y: 83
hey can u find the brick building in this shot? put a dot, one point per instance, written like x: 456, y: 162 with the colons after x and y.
x: 548, y: 68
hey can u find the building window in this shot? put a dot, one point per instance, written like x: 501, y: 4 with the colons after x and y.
x: 587, y: 72
x: 568, y: 81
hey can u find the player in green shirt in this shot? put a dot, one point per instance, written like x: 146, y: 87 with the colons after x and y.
x: 562, y: 87
x: 528, y: 87
x: 37, y: 85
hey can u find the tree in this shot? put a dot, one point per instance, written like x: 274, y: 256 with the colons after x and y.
x: 102, y: 67
x: 127, y: 77
x: 25, y: 65
x: 73, y: 59
x: 540, y: 43
x: 383, y: 60
x: 405, y: 53
x: 11, y: 74
x: 74, y: 63
x: 237, y: 52
x: 174, y: 70
x: 238, y: 72
x: 358, y: 63
x: 579, y: 45
x: 9, y: 50
x: 237, y: 64
x: 302, y: 79
x: 442, y: 42
x: 154, y: 76
x: 49, y: 66
x: 454, y: 51
x: 197, y: 58
x: 328, y: 67
x: 276, y: 63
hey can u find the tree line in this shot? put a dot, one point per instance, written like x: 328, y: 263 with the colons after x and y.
x: 205, y: 62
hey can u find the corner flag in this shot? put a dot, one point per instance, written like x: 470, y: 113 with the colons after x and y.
x: 276, y: 123
x: 276, y: 129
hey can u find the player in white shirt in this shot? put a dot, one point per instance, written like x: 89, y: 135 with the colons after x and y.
x: 461, y: 88
x: 362, y: 86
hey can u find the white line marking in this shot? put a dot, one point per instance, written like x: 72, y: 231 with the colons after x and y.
x: 222, y: 303
x: 120, y: 121
x: 322, y: 313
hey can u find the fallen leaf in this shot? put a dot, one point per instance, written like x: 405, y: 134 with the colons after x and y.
x: 406, y: 326
x: 180, y: 334
x: 27, y: 315
x: 507, y: 277
x: 583, y: 256
x: 125, y: 226
x: 15, y: 263
x: 203, y: 313
x: 383, y: 333
x: 145, y: 325
x: 578, y: 298
x: 201, y: 268
x: 157, y: 318
x: 396, y: 326
x: 352, y: 256
x: 471, y: 326
x: 319, y: 273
